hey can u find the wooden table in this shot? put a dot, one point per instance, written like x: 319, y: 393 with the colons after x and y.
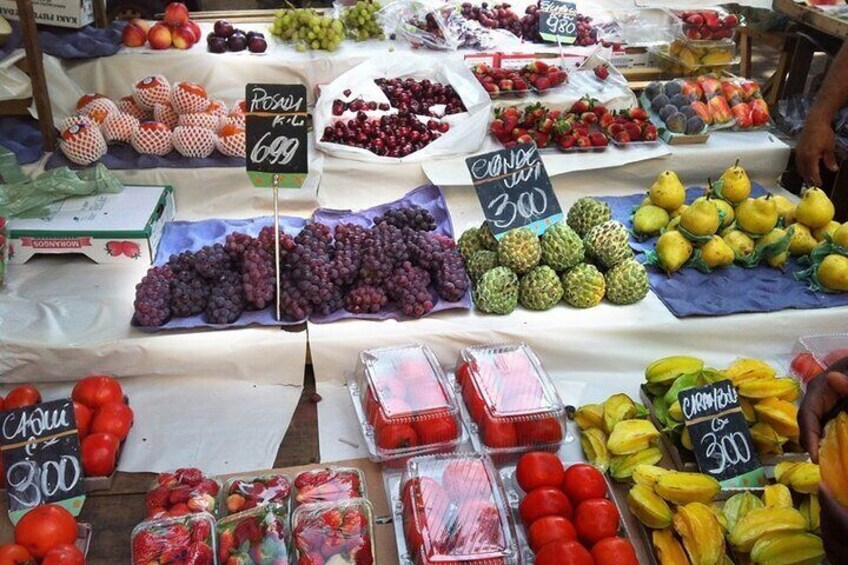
x: 812, y: 17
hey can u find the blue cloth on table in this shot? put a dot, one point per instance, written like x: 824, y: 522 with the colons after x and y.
x: 121, y: 156
x: 22, y: 136
x: 88, y: 42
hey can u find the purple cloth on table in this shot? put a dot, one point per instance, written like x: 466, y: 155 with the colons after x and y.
x: 13, y: 42
x: 22, y: 136
x: 731, y: 290
x: 84, y: 43
x: 121, y: 156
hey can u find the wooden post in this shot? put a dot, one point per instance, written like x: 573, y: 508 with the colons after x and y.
x: 101, y: 17
x: 36, y: 74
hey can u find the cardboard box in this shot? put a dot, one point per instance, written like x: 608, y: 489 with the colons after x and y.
x: 62, y: 13
x: 630, y: 57
x: 106, y: 228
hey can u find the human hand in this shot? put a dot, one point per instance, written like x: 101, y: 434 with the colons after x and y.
x: 816, y: 143
x: 834, y: 525
x: 823, y: 394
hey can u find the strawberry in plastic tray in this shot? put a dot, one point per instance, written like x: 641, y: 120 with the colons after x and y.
x: 186, y: 540
x: 246, y: 493
x: 182, y: 492
x: 329, y: 485
x: 255, y: 537
x: 334, y: 533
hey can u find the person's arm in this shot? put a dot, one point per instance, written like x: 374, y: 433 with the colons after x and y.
x: 824, y: 393
x: 817, y: 140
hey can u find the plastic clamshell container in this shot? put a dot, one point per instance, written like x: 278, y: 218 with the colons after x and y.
x: 164, y: 531
x: 461, y: 514
x: 268, y: 533
x: 720, y: 13
x: 252, y: 491
x: 510, y: 403
x: 202, y: 496
x: 315, y: 532
x: 329, y: 484
x: 405, y: 404
x: 812, y: 354
x: 696, y: 57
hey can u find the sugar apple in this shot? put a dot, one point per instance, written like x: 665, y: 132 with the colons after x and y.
x: 627, y: 282
x: 540, y: 289
x: 480, y: 262
x: 608, y: 244
x: 469, y: 243
x: 586, y: 214
x: 519, y: 250
x: 487, y: 237
x: 497, y: 291
x: 562, y: 248
x: 583, y: 286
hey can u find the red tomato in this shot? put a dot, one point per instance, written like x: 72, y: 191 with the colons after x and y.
x: 371, y: 406
x: 595, y: 520
x: 439, y: 429
x: 474, y: 401
x: 24, y: 395
x: 498, y: 433
x: 463, y: 375
x: 583, y: 482
x: 548, y: 529
x: 65, y: 554
x: 805, y: 366
x: 99, y: 454
x: 13, y: 554
x: 544, y: 501
x: 82, y: 415
x: 96, y: 390
x: 614, y: 551
x: 538, y: 432
x: 44, y: 527
x: 563, y: 552
x: 114, y: 418
x: 394, y: 436
x: 539, y: 469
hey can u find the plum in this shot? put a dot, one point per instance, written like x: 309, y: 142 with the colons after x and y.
x: 694, y: 125
x: 659, y: 101
x: 653, y: 89
x: 687, y: 111
x: 672, y: 87
x: 679, y: 100
x: 676, y: 123
x: 217, y: 44
x: 257, y: 44
x: 237, y: 42
x: 666, y: 111
x: 223, y: 28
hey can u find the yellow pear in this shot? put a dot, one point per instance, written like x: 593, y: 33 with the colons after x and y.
x: 677, y: 212
x: 756, y: 215
x: 802, y: 241
x: 840, y: 236
x: 784, y: 206
x: 717, y: 253
x: 815, y: 209
x: 826, y: 231
x: 673, y: 250
x: 672, y: 225
x: 731, y: 228
x: 833, y: 272
x: 649, y: 220
x: 736, y: 186
x: 701, y: 218
x: 741, y: 244
x: 774, y: 236
x: 668, y: 192
x: 645, y: 202
x: 728, y: 215
x: 789, y: 217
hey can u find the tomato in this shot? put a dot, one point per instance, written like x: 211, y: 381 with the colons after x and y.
x: 65, y: 554
x: 614, y: 551
x: 99, y: 454
x: 595, y: 520
x: 13, y: 554
x: 544, y: 501
x: 537, y: 432
x: 563, y: 552
x: 394, y: 436
x: 24, y: 395
x: 114, y: 418
x: 805, y: 366
x: 474, y: 401
x: 479, y: 524
x: 498, y: 434
x: 466, y: 478
x: 44, y: 527
x: 439, y: 429
x: 539, y: 469
x: 96, y: 390
x: 583, y: 482
x: 370, y: 406
x: 548, y: 529
x: 463, y: 375
x: 82, y: 415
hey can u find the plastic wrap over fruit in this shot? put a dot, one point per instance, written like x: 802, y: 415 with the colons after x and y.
x: 248, y: 492
x: 184, y: 539
x: 335, y: 532
x: 261, y: 534
x: 185, y: 491
x: 329, y: 484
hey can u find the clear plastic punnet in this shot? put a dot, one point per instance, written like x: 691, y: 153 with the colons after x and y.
x: 250, y: 491
x: 511, y: 404
x: 329, y: 484
x: 335, y: 532
x: 709, y: 24
x: 453, y: 509
x: 405, y: 404
x: 183, y: 491
x: 259, y: 536
x: 183, y: 539
x: 813, y: 354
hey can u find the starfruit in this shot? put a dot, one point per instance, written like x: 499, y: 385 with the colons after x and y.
x: 833, y: 457
x: 617, y: 408
x: 648, y: 474
x: 684, y: 382
x: 590, y: 416
x: 594, y: 444
x: 680, y: 487
x: 737, y: 506
x: 630, y: 436
x: 745, y: 370
x: 811, y: 511
x: 719, y: 514
x: 790, y: 548
x: 780, y: 415
x: 667, y: 548
x: 800, y: 476
x: 701, y: 533
x: 766, y: 440
x: 667, y: 369
x: 765, y: 388
x: 686, y: 439
x: 675, y: 412
x: 777, y: 496
x: 622, y: 466
x: 762, y: 521
x: 748, y: 410
x: 649, y: 508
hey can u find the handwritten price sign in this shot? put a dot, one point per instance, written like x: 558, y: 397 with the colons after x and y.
x: 41, y: 457
x: 558, y: 21
x: 720, y: 435
x: 514, y: 189
x: 276, y: 130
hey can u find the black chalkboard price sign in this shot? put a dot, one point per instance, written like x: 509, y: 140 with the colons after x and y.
x: 558, y: 21
x: 514, y: 189
x: 275, y: 133
x: 720, y: 435
x: 41, y: 457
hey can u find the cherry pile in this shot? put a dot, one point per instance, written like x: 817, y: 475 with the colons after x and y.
x: 418, y: 97
x: 394, y: 135
x: 499, y: 16
x: 340, y: 106
x: 587, y: 34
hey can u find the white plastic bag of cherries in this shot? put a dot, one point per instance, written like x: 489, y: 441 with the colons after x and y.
x: 402, y: 108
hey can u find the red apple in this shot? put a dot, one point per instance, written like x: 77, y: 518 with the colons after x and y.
x: 183, y: 37
x: 135, y: 33
x: 176, y: 14
x: 160, y: 36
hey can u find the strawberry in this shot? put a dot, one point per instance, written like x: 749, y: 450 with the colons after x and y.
x: 332, y: 544
x: 179, y: 509
x: 226, y: 545
x: 201, y: 531
x: 542, y: 83
x: 247, y: 530
x: 545, y: 125
x: 201, y: 503
x: 155, y: 512
x: 580, y: 106
x: 156, y: 498
x: 588, y: 117
x: 638, y: 114
x: 541, y: 138
x: 177, y: 535
x: 311, y: 558
x: 189, y: 476
x: 208, y: 486
x: 602, y: 72
x: 606, y: 120
x: 599, y: 109
x: 649, y: 133
x: 519, y: 84
x: 354, y: 523
x: 634, y: 131
x: 333, y: 518
x: 598, y: 139
x: 524, y: 139
x: 130, y: 249
x: 362, y: 553
x: 582, y: 141
x: 146, y: 547
x: 235, y: 502
x: 114, y: 248
x: 199, y: 554
x: 167, y: 479
x: 622, y: 137
x: 180, y: 494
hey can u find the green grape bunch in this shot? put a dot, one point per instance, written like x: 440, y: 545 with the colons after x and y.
x: 360, y: 20
x: 308, y: 29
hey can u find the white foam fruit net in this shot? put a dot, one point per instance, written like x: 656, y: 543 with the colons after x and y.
x: 82, y: 143
x: 119, y: 127
x: 188, y: 98
x: 232, y: 145
x: 194, y: 141
x: 166, y: 114
x: 200, y: 120
x: 128, y: 105
x: 149, y: 139
x: 152, y: 90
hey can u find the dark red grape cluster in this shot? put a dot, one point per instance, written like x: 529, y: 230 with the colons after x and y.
x: 189, y: 290
x: 392, y: 135
x: 419, y: 96
x: 499, y: 16
x: 226, y: 299
x: 153, y: 297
